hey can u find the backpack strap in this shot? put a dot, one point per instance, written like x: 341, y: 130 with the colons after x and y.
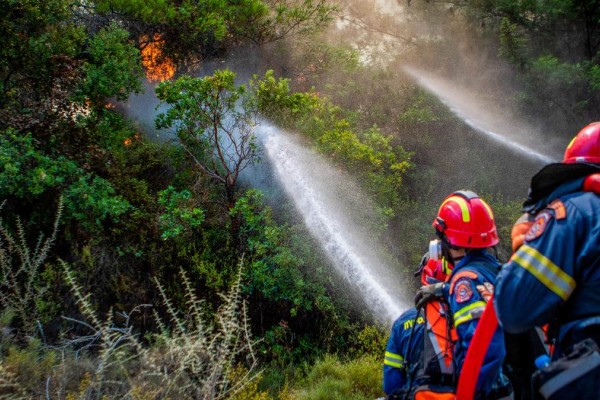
x: 438, y: 347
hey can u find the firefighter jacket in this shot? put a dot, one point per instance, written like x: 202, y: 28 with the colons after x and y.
x: 404, y: 344
x: 419, y: 353
x: 555, y: 275
x: 470, y: 287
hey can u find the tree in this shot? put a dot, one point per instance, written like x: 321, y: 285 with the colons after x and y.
x: 194, y: 30
x: 215, y: 131
x: 114, y: 68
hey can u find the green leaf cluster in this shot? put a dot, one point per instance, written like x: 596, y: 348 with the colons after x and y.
x: 93, y: 200
x: 275, y: 271
x: 196, y: 102
x: 114, y: 68
x: 210, y: 26
x: 28, y: 173
x: 180, y: 215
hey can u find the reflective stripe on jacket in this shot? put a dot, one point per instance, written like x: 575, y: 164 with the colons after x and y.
x: 470, y: 282
x: 419, y: 353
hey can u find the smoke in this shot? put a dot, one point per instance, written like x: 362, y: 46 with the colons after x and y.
x: 439, y: 39
x: 141, y: 109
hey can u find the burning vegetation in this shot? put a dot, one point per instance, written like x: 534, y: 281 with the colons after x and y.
x: 158, y: 66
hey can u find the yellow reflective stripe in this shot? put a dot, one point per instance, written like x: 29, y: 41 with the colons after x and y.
x: 571, y: 143
x: 393, y: 360
x: 462, y: 203
x: 467, y: 313
x: 488, y: 208
x: 445, y: 267
x: 545, y: 271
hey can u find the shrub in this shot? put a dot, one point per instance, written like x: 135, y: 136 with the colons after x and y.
x: 334, y: 379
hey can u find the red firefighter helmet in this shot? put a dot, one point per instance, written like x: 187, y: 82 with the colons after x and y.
x: 464, y: 220
x: 585, y: 146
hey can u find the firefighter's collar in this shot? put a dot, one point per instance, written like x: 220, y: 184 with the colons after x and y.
x: 555, y: 180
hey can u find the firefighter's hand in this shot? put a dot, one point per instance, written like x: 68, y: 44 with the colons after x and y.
x: 429, y: 293
x: 519, y: 230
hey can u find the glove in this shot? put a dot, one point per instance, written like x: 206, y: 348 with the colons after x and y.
x: 429, y: 293
x: 486, y: 291
x: 520, y: 229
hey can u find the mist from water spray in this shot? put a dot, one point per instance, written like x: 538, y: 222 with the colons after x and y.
x: 331, y: 206
x: 320, y: 194
x: 496, y: 125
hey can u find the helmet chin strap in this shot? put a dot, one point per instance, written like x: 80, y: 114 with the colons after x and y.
x: 457, y: 259
x: 446, y: 246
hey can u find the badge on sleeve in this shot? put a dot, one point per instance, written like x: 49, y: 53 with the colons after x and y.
x: 539, y: 225
x: 460, y: 275
x: 463, y: 291
x: 560, y: 211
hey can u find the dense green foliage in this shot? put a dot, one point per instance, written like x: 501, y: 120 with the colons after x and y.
x: 194, y: 30
x: 130, y: 212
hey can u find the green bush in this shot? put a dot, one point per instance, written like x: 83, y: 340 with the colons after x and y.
x: 334, y: 379
x: 114, y: 69
x: 180, y: 214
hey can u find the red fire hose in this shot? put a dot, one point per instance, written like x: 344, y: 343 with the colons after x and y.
x: 476, y: 352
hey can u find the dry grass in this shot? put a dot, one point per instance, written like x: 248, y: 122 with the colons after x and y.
x: 195, y: 355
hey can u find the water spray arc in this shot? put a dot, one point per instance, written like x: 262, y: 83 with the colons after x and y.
x: 320, y: 210
x: 474, y: 117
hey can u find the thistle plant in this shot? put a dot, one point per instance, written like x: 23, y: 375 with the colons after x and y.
x: 199, y: 356
x: 20, y: 266
x: 195, y: 354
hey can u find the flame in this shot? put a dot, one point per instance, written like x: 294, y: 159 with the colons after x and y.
x: 158, y: 67
x: 129, y: 141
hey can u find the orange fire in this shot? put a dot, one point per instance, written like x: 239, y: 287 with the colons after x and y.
x: 158, y: 67
x: 129, y: 141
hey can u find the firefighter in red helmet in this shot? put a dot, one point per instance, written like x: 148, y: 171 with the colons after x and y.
x: 466, y: 229
x: 554, y: 272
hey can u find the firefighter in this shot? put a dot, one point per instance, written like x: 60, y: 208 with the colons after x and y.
x: 467, y: 231
x: 554, y: 273
x: 418, y: 355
